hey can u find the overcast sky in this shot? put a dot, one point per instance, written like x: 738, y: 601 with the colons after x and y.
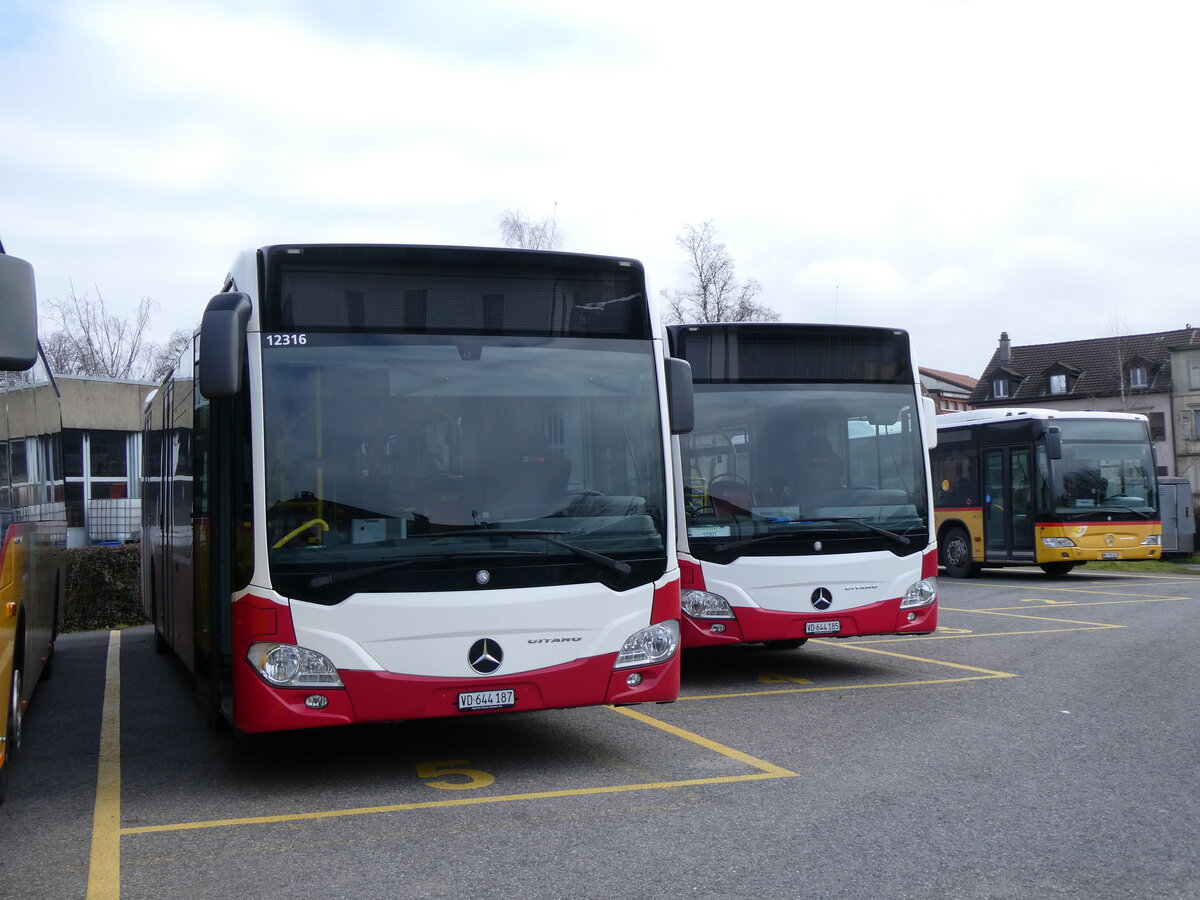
x: 953, y: 168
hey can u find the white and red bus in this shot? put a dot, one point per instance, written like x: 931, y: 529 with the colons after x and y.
x: 806, y: 495
x: 33, y: 526
x: 396, y: 482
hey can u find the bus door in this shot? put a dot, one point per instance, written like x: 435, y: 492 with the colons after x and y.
x: 1008, y: 503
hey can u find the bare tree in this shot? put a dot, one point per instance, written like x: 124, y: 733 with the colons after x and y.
x: 518, y: 230
x: 715, y: 294
x: 89, y: 340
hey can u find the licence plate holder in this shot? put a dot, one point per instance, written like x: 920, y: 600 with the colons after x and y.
x: 1110, y: 555
x: 469, y: 701
x: 831, y: 627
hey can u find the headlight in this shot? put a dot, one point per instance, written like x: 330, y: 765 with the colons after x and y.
x: 705, y: 605
x: 1057, y: 543
x: 923, y: 593
x: 284, y: 665
x: 1155, y: 540
x: 655, y: 644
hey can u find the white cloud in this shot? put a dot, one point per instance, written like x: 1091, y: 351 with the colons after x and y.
x: 954, y: 168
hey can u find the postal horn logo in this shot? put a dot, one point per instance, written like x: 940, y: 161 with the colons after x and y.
x: 485, y: 656
x: 822, y: 599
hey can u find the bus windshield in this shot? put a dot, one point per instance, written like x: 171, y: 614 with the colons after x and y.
x: 416, y: 450
x: 839, y: 466
x: 1106, y: 464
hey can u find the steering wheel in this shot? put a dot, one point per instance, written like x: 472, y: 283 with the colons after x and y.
x: 295, y: 531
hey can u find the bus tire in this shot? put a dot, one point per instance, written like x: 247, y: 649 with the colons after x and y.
x: 955, y: 552
x: 12, y: 737
x: 1057, y: 569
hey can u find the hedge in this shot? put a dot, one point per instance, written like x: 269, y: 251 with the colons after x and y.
x: 104, y: 588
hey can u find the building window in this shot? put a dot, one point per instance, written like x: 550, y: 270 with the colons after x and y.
x: 1195, y: 368
x: 1195, y: 429
x: 1137, y: 377
x: 1058, y: 384
x: 1158, y: 426
x: 1000, y: 388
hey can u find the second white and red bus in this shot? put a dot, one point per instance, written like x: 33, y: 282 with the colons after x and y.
x: 807, y: 506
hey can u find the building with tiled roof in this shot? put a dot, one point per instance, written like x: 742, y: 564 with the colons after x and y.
x: 949, y: 390
x: 1155, y: 374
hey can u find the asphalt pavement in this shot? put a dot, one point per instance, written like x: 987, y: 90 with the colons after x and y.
x: 1043, y: 743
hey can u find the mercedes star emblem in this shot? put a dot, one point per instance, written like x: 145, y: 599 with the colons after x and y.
x: 485, y: 656
x: 822, y: 598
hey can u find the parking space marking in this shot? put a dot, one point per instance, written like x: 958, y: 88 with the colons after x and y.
x: 107, y: 863
x: 1137, y: 598
x: 961, y: 633
x: 767, y: 768
x: 984, y: 675
x: 104, y: 865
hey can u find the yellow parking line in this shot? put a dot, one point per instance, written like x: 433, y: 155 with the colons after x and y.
x: 1072, y: 603
x: 766, y: 771
x: 708, y: 744
x: 990, y: 673
x: 463, y: 801
x: 1008, y: 614
x: 986, y: 634
x: 104, y: 866
x: 844, y: 687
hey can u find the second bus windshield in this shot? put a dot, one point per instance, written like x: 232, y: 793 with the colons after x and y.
x: 808, y: 460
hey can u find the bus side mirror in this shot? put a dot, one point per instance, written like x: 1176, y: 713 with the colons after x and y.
x: 223, y: 344
x: 18, y: 312
x: 1054, y: 442
x: 929, y: 421
x: 681, y: 404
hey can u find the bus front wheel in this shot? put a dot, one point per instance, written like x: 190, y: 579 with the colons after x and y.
x: 955, y: 551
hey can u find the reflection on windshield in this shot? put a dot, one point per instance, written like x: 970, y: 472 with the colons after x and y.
x: 380, y: 448
x: 767, y: 460
x: 1097, y: 475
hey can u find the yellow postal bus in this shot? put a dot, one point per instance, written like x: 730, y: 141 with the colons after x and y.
x: 1051, y: 488
x: 32, y: 512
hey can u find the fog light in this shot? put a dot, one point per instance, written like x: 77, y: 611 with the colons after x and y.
x: 912, y: 617
x: 316, y: 701
x: 717, y: 628
x: 634, y: 679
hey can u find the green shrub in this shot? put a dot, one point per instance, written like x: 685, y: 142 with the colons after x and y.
x: 104, y: 588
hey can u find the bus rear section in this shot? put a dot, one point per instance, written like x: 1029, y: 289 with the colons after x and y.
x: 447, y: 471
x: 1052, y: 488
x: 806, y: 499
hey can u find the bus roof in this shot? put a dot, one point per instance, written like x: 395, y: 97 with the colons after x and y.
x: 1000, y: 414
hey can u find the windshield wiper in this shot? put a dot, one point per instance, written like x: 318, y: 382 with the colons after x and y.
x: 1136, y: 512
x: 1094, y: 512
x: 900, y: 539
x: 621, y: 568
x: 318, y: 581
